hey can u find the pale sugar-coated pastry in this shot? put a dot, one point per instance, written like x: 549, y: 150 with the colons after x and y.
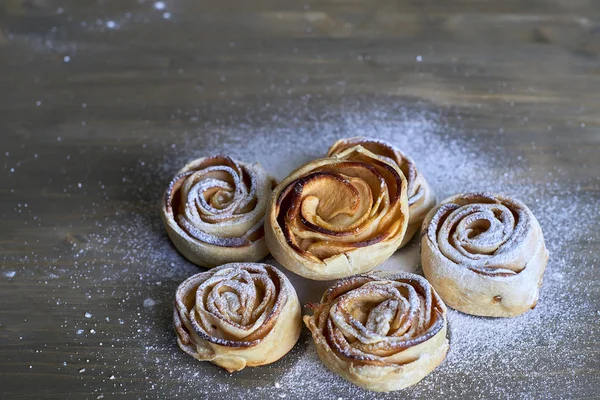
x: 214, y: 208
x: 237, y: 315
x: 382, y: 332
x: 484, y: 254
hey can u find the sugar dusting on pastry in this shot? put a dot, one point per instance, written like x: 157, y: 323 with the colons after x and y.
x: 485, y: 254
x: 237, y: 315
x: 281, y: 138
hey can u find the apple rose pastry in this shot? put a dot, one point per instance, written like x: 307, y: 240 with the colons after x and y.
x: 214, y: 211
x: 338, y: 216
x: 237, y: 315
x: 380, y: 332
x: 420, y: 196
x: 484, y: 254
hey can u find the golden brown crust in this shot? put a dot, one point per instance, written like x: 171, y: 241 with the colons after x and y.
x: 237, y: 315
x: 420, y: 196
x: 338, y: 216
x: 213, y: 211
x: 485, y: 254
x: 380, y: 331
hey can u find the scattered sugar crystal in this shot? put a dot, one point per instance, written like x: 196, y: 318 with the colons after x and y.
x: 149, y: 302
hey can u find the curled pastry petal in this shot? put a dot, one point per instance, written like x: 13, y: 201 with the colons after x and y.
x: 485, y: 254
x: 420, y: 195
x: 214, y: 209
x: 237, y: 315
x: 381, y: 332
x: 338, y: 216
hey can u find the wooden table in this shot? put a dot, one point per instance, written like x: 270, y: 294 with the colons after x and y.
x: 102, y: 101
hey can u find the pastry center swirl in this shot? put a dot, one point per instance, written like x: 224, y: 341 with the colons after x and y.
x: 340, y: 206
x: 371, y: 319
x: 217, y: 202
x: 483, y: 233
x: 238, y: 306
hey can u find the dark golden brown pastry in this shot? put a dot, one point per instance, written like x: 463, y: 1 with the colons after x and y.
x: 420, y: 196
x: 338, y: 216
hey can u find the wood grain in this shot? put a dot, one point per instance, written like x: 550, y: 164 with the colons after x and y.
x: 90, y: 143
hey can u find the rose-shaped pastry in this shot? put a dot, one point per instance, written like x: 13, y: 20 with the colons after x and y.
x: 420, y: 196
x: 237, y: 315
x: 214, y: 211
x: 338, y: 216
x: 484, y: 254
x: 380, y: 332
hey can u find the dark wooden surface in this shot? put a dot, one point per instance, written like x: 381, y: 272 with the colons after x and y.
x: 89, y: 141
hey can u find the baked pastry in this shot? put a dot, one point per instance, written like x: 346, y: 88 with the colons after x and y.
x: 214, y: 210
x: 420, y: 196
x: 484, y: 254
x: 237, y: 315
x: 338, y: 216
x: 380, y: 332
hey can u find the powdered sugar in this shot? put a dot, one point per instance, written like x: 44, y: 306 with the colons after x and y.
x: 451, y: 164
x: 149, y: 302
x: 534, y: 345
x: 10, y: 274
